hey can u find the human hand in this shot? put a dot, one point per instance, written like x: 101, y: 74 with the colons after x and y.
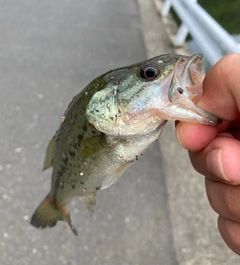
x: 215, y: 151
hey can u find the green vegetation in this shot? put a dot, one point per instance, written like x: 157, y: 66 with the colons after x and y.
x: 225, y: 12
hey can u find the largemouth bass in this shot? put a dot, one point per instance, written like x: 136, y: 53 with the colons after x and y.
x: 111, y: 122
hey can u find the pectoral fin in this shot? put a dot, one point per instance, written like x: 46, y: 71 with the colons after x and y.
x: 89, y: 201
x: 92, y: 145
x: 48, y: 162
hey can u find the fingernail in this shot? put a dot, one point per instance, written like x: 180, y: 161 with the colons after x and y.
x: 178, y: 136
x: 214, y: 163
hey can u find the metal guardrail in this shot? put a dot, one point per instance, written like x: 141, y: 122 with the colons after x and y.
x: 213, y: 40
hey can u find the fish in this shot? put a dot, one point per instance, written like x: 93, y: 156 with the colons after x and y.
x: 113, y: 121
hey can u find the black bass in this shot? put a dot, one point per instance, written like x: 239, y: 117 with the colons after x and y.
x: 112, y: 121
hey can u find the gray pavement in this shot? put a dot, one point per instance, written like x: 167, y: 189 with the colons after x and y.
x: 157, y: 213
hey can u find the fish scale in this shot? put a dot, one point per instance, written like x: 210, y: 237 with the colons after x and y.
x: 113, y: 121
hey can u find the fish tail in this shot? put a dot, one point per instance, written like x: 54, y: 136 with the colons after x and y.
x: 47, y: 215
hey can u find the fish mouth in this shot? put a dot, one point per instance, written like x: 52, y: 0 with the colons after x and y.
x: 188, y: 72
x: 183, y: 92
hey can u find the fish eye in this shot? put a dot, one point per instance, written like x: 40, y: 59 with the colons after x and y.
x: 149, y: 71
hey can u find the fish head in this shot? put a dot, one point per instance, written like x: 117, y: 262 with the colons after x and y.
x: 139, y: 98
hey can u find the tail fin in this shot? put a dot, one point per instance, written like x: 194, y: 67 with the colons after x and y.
x: 47, y: 215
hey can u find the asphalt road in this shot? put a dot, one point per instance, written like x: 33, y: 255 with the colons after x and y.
x: 49, y: 51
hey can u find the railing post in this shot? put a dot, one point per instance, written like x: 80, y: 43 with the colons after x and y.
x: 166, y: 8
x: 213, y: 41
x: 181, y: 35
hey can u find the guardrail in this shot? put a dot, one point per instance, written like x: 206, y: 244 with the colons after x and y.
x: 213, y: 40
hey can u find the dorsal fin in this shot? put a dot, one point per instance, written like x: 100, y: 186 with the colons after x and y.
x: 48, y: 162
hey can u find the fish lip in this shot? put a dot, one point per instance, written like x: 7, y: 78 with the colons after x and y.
x: 196, y: 114
x: 186, y: 68
x: 183, y: 93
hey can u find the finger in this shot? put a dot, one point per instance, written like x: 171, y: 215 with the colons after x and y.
x: 194, y: 137
x: 230, y: 232
x: 221, y: 96
x: 219, y: 160
x: 224, y: 199
x: 221, y: 88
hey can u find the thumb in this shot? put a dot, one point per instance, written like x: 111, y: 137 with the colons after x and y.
x: 221, y: 97
x: 221, y: 88
x: 219, y: 160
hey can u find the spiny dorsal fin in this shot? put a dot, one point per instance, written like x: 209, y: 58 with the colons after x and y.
x: 48, y: 162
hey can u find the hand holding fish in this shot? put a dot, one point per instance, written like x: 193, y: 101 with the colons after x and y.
x: 215, y: 151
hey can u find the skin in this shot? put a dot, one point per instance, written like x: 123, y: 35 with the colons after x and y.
x: 215, y: 151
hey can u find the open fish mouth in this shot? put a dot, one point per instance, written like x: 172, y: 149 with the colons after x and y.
x: 188, y: 72
x: 183, y: 92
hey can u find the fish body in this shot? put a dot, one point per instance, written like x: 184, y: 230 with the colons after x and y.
x: 110, y: 123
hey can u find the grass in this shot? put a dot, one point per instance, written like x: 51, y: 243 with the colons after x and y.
x: 225, y: 12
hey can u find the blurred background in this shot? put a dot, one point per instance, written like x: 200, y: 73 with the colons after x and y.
x: 157, y: 213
